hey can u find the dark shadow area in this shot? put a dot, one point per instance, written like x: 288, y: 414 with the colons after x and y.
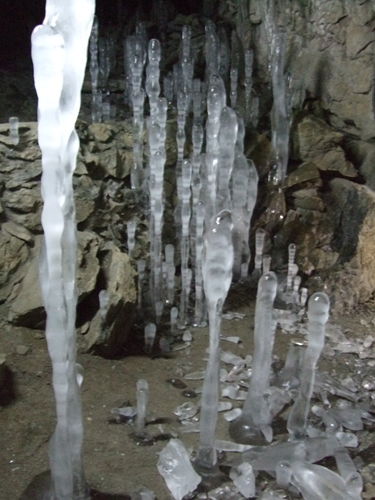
x: 8, y: 390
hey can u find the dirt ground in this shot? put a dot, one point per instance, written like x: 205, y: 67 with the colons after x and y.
x: 113, y: 461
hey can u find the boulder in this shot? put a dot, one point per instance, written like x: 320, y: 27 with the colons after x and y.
x: 109, y: 330
x: 25, y: 301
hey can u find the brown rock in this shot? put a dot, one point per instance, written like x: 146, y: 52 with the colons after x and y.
x: 102, y: 132
x: 14, y: 251
x: 108, y: 335
x: 318, y: 143
x: 306, y: 172
x: 25, y: 305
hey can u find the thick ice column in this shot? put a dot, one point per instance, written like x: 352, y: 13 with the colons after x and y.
x: 216, y: 98
x: 153, y: 76
x: 279, y: 115
x: 318, y: 310
x: 217, y: 262
x: 59, y: 49
x: 255, y: 419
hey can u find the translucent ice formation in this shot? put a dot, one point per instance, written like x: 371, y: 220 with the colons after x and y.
x: 59, y: 50
x: 260, y: 236
x: 318, y: 310
x: 310, y: 450
x: 243, y: 477
x: 253, y: 425
x: 175, y: 467
x: 244, y: 194
x: 13, y: 130
x: 217, y: 262
x: 319, y: 483
x: 150, y: 333
x: 142, y: 401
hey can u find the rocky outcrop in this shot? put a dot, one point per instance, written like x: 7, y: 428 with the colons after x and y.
x: 104, y: 202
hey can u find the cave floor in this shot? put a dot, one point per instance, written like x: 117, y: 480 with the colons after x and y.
x: 113, y: 462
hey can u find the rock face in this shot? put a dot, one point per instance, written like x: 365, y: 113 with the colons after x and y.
x: 103, y: 205
x: 330, y: 51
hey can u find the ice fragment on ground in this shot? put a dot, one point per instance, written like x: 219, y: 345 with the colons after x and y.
x: 187, y: 336
x: 231, y: 359
x: 324, y: 382
x: 231, y: 415
x: 222, y: 445
x: 368, y: 341
x: 316, y: 482
x: 186, y: 411
x: 126, y: 411
x: 224, y: 406
x: 194, y: 376
x: 347, y: 439
x: 310, y: 450
x: 175, y: 467
x: 142, y: 493
x: 243, y: 477
x: 233, y: 339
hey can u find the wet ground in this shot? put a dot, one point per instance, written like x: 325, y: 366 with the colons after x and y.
x: 113, y: 461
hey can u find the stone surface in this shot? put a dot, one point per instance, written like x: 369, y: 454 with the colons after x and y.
x: 352, y: 212
x: 317, y: 142
x: 25, y: 302
x: 14, y: 251
x: 108, y: 335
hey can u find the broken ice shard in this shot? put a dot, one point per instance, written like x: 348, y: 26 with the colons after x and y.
x: 217, y: 262
x: 256, y: 417
x: 318, y: 309
x: 243, y: 477
x: 175, y: 467
x: 319, y: 483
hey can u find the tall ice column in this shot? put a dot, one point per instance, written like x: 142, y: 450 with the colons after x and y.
x: 59, y: 49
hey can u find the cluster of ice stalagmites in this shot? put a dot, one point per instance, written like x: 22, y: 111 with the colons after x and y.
x: 59, y: 49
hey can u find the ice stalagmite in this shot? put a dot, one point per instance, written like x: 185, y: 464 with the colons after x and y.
x: 217, y: 262
x: 318, y: 309
x: 59, y: 49
x: 254, y: 423
x: 244, y: 194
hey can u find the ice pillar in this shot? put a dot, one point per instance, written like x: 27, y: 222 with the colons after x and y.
x: 318, y: 310
x: 59, y: 49
x: 217, y: 263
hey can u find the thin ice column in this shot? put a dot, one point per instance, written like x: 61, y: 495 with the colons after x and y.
x: 318, y: 310
x: 256, y: 417
x: 59, y: 49
x: 217, y: 263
